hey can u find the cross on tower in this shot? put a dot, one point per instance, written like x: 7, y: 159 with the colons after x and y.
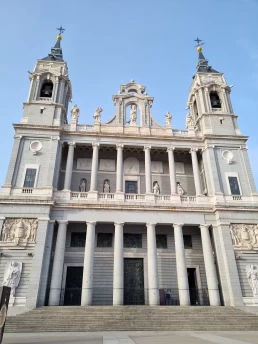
x: 198, y: 42
x: 60, y: 29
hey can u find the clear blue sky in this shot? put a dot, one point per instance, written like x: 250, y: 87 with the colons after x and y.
x: 109, y: 42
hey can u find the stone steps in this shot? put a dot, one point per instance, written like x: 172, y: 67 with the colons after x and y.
x: 132, y: 318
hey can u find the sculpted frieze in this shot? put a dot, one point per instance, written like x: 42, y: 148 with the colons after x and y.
x: 19, y: 231
x: 244, y: 236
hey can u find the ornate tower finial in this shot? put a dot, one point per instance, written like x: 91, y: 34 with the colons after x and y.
x: 61, y: 30
x: 199, y: 44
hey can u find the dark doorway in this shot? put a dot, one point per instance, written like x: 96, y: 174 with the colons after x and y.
x: 131, y: 187
x: 193, y: 289
x: 133, y: 281
x: 73, y: 286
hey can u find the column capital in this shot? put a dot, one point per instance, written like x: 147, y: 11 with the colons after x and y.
x: 43, y: 218
x: 119, y: 146
x: 204, y: 225
x: 178, y: 224
x: 2, y: 218
x: 65, y: 222
x: 194, y: 150
x: 146, y: 147
x: 52, y: 221
x: 170, y: 149
x: 71, y: 144
x: 95, y: 144
x: 119, y: 223
x: 151, y: 224
x: 91, y: 222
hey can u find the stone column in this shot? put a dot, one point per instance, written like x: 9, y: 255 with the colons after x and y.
x: 69, y: 166
x: 196, y: 173
x: 210, y: 269
x: 172, y: 170
x: 119, y: 168
x: 94, y: 168
x: 87, y: 281
x: 58, y: 265
x: 182, y: 278
x: 46, y: 264
x: 148, y: 182
x: 153, y: 279
x: 118, y: 282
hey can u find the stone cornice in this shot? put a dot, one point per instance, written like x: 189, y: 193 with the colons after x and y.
x: 37, y: 126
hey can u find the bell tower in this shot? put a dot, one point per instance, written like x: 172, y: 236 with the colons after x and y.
x: 50, y: 89
x: 209, y: 100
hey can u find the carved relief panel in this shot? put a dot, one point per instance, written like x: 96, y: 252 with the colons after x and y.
x: 244, y: 236
x: 19, y: 232
x: 131, y: 166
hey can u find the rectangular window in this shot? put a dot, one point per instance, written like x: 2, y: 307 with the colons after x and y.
x: 234, y: 186
x: 30, y: 178
x: 188, y: 241
x: 132, y: 240
x: 104, y: 240
x: 131, y: 187
x: 78, y: 239
x: 161, y: 241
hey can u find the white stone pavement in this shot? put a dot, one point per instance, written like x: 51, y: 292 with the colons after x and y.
x: 226, y: 337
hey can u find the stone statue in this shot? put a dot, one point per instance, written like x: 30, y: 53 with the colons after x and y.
x: 133, y: 114
x: 180, y: 189
x: 83, y: 185
x: 168, y: 117
x: 12, y: 276
x: 97, y: 115
x: 244, y: 236
x: 156, y: 188
x: 189, y: 121
x: 106, y: 186
x: 75, y: 112
x: 19, y: 231
x: 252, y: 275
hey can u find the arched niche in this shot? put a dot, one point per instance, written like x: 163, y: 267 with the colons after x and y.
x: 128, y: 108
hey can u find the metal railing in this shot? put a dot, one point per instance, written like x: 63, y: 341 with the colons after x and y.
x: 133, y: 296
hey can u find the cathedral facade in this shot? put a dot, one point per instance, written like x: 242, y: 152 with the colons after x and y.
x: 128, y: 212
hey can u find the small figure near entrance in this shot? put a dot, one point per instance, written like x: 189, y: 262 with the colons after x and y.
x: 12, y: 276
x: 252, y: 275
x: 133, y: 114
x: 180, y: 189
x: 156, y: 188
x: 83, y: 185
x: 106, y: 186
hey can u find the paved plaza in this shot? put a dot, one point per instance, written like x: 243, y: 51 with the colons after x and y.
x: 134, y: 338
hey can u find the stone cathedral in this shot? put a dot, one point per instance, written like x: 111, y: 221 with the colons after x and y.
x: 129, y: 211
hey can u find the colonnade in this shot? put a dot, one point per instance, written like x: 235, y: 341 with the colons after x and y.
x: 119, y: 168
x: 118, y: 273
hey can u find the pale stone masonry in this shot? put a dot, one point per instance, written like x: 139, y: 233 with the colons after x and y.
x: 129, y: 211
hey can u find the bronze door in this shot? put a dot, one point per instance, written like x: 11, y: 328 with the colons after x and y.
x: 73, y: 286
x: 133, y: 281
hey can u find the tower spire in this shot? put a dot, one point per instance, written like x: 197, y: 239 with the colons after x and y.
x: 56, y: 51
x: 203, y: 63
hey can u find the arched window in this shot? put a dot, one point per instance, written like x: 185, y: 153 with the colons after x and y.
x: 215, y: 101
x: 46, y: 89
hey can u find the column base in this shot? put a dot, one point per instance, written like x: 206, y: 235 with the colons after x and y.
x: 251, y: 301
x: 119, y: 196
x: 86, y: 297
x: 66, y: 194
x: 154, y: 297
x: 175, y: 198
x: 214, y: 297
x: 149, y: 197
x: 6, y: 189
x: 93, y: 195
x: 118, y: 297
x: 184, y: 297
